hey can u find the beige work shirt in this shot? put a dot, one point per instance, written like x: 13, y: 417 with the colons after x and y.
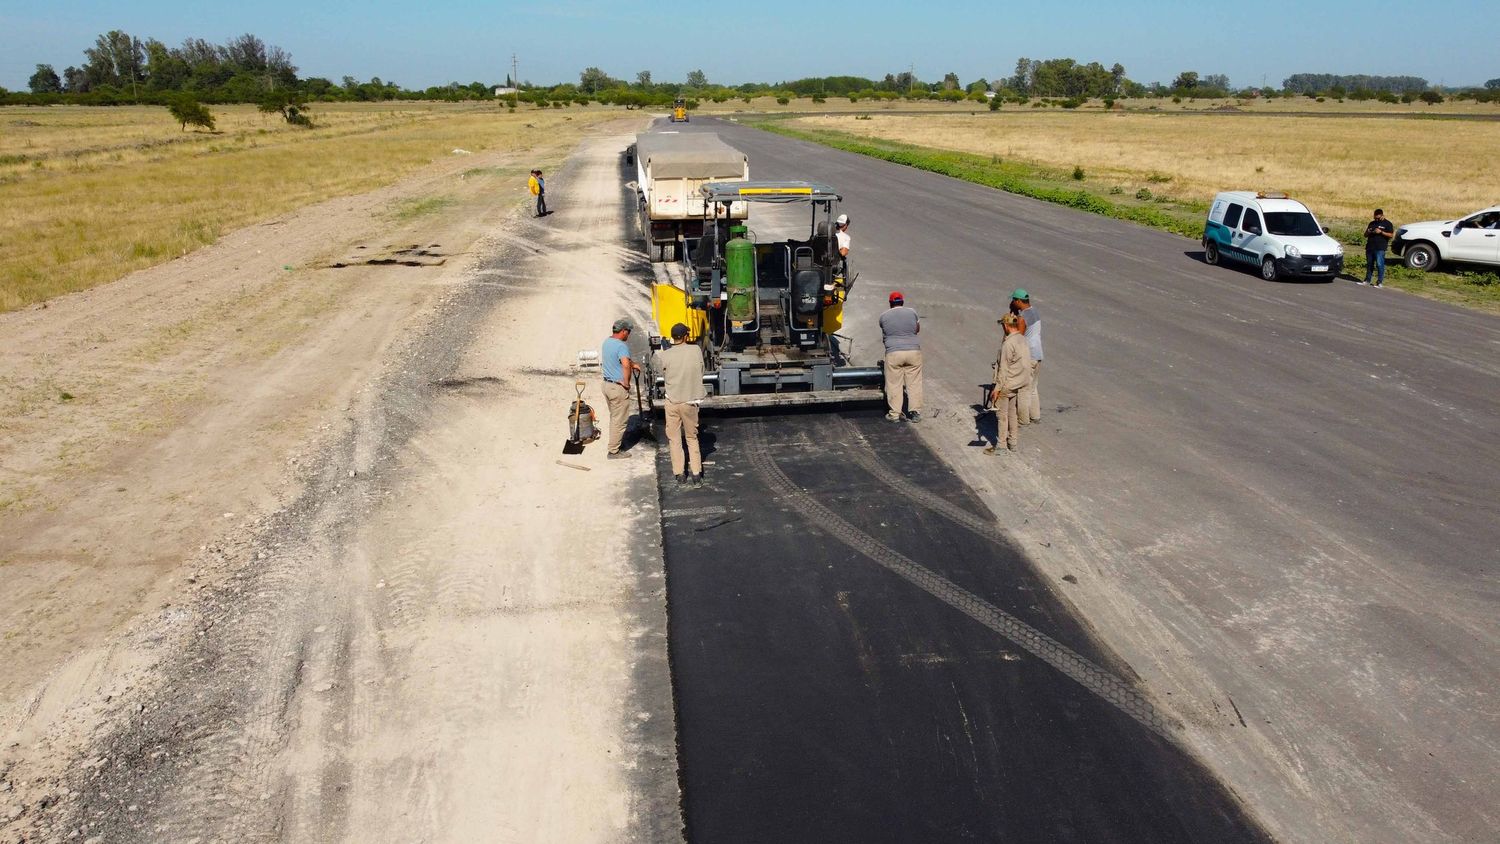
x: 1013, y: 364
x: 682, y: 367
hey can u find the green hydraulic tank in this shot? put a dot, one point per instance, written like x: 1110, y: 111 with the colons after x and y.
x: 739, y: 260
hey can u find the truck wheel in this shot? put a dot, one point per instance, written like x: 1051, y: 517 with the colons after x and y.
x: 1211, y: 252
x: 1421, y: 256
x: 1268, y: 269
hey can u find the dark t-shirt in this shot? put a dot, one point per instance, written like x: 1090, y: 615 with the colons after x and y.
x: 1378, y: 234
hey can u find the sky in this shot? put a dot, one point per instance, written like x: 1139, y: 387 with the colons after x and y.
x: 418, y: 45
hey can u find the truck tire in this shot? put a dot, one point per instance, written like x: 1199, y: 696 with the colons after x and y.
x: 1421, y: 256
x: 1211, y: 252
x: 1268, y: 269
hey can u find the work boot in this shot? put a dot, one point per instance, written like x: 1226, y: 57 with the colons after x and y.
x: 913, y: 416
x: 893, y: 417
x: 681, y: 479
x: 698, y: 481
x: 618, y: 455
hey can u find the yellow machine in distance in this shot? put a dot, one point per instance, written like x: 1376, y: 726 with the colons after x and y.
x: 679, y: 111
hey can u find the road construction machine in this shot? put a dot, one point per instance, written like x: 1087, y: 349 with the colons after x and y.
x: 765, y: 313
x: 679, y: 111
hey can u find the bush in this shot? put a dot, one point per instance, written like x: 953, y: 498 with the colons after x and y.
x: 1078, y: 175
x: 818, y: 99
x: 1431, y: 97
x: 1116, y: 190
x: 995, y: 102
x: 1109, y: 103
x: 853, y: 98
x: 1144, y: 194
x: 190, y: 112
x: 782, y: 101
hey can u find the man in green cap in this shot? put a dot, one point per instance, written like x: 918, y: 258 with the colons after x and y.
x: 1030, y: 398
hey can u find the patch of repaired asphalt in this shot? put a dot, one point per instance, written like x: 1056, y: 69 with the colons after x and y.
x: 823, y: 696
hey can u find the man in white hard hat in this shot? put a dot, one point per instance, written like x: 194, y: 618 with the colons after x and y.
x: 841, y: 234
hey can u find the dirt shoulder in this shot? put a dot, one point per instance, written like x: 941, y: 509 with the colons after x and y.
x: 297, y: 535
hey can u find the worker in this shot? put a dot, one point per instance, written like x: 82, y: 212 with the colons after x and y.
x: 1031, y: 401
x: 1012, y: 374
x: 682, y: 367
x: 899, y: 328
x: 841, y: 235
x: 538, y: 187
x: 618, y: 368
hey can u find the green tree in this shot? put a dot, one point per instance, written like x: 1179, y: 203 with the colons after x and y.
x: 1493, y: 84
x: 117, y: 58
x: 1185, y: 81
x: 1431, y: 97
x: 643, y: 80
x: 45, y: 80
x: 950, y: 81
x: 697, y: 79
x: 593, y: 80
x: 1116, y: 78
x: 189, y: 112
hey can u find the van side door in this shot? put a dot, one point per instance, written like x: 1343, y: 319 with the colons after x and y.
x: 1232, y: 223
x: 1252, y: 240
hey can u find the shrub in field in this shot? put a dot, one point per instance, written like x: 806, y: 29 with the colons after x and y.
x: 746, y: 100
x: 1431, y: 97
x: 1078, y: 174
x: 1116, y: 190
x: 1109, y: 103
x: 853, y: 98
x: 1159, y: 178
x: 190, y: 112
x: 782, y: 100
x: 1144, y: 194
x: 819, y: 100
x: 995, y: 103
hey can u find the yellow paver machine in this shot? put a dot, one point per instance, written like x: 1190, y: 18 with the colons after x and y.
x: 765, y: 313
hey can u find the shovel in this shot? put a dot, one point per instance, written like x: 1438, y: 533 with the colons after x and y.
x: 648, y: 431
x: 574, y: 444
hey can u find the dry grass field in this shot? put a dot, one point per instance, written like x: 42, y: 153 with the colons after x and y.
x: 1341, y: 167
x: 90, y: 194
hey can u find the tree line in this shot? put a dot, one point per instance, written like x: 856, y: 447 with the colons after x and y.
x: 121, y: 68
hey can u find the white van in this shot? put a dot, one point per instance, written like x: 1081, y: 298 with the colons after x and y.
x: 1270, y: 231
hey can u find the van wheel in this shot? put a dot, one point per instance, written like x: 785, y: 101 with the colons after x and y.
x: 1211, y: 252
x: 1268, y: 268
x: 1421, y: 256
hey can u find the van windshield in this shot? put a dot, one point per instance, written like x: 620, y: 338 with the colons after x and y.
x: 1292, y: 224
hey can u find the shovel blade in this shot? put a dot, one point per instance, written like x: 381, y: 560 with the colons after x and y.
x: 572, y: 447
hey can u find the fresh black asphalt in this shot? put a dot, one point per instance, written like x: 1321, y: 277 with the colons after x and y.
x: 1295, y: 480
x: 821, y: 698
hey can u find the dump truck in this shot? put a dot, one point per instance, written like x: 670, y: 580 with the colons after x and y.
x: 670, y: 169
x: 765, y: 313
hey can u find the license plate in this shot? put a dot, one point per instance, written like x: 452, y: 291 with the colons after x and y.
x: 1320, y: 268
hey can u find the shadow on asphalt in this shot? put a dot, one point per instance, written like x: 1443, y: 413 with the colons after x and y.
x: 1197, y: 255
x: 825, y: 697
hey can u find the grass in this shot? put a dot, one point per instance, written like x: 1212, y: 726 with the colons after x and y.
x: 409, y: 209
x: 1160, y: 173
x: 91, y: 194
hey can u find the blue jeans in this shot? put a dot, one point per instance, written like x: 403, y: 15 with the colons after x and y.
x: 1375, y: 262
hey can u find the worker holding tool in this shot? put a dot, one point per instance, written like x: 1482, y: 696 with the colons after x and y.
x: 617, y: 368
x: 1030, y: 397
x: 1012, y: 374
x: 899, y: 328
x: 841, y: 236
x: 682, y: 367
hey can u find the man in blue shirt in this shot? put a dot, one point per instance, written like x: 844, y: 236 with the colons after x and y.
x: 618, y: 368
x: 1030, y: 399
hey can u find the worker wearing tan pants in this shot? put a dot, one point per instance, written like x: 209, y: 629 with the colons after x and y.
x: 682, y: 425
x: 617, y: 368
x: 899, y: 327
x: 682, y: 374
x: 1012, y: 375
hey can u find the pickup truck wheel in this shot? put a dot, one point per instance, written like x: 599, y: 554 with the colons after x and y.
x: 1421, y: 256
x: 1211, y: 252
x: 1268, y: 268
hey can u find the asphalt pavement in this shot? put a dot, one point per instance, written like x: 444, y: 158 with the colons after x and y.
x: 1279, y: 500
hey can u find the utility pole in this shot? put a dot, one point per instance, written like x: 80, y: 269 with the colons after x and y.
x: 515, y: 75
x: 911, y: 77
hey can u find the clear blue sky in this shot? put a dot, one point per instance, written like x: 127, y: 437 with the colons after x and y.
x: 1453, y: 42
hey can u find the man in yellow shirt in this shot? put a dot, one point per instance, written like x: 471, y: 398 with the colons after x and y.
x: 538, y: 187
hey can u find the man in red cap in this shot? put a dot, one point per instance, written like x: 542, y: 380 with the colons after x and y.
x: 899, y: 327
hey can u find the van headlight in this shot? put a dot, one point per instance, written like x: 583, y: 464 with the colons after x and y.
x: 1293, y: 252
x: 1338, y: 249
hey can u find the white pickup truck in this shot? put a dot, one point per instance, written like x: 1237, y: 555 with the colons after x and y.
x: 670, y: 168
x: 1474, y: 239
